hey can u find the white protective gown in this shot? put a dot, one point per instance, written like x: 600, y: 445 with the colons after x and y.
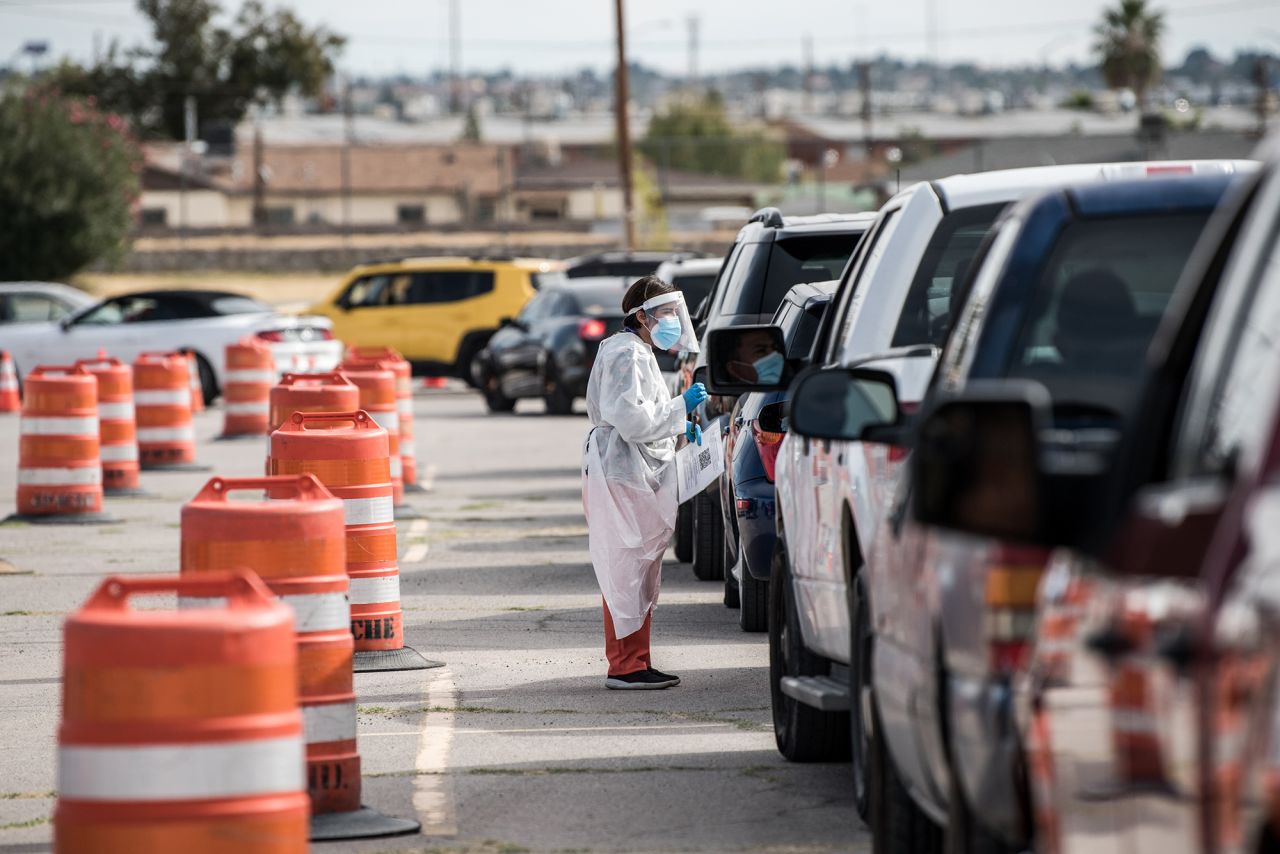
x: 628, y: 476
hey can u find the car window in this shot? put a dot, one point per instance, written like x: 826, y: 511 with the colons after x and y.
x: 632, y: 269
x: 32, y: 308
x: 1237, y: 407
x: 814, y: 258
x: 864, y: 273
x: 142, y: 309
x: 441, y: 286
x: 703, y: 310
x: 237, y: 305
x: 694, y: 287
x: 366, y: 291
x: 926, y: 313
x: 751, y: 265
x: 547, y: 280
x: 804, y: 329
x: 1097, y: 304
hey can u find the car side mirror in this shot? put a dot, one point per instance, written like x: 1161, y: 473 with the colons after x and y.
x: 843, y: 403
x: 504, y: 322
x: 773, y: 417
x: 742, y: 359
x: 65, y: 322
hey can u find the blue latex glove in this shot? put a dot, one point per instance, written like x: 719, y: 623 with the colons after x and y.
x: 693, y: 432
x: 696, y: 394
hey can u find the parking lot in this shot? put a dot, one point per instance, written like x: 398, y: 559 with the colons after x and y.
x: 513, y: 745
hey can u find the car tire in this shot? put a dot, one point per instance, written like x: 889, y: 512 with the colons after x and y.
x: 802, y: 733
x: 684, y: 532
x: 493, y: 396
x: 731, y: 598
x: 208, y: 379
x: 753, y: 596
x: 898, y: 826
x: 557, y: 397
x: 861, y: 640
x: 708, y: 539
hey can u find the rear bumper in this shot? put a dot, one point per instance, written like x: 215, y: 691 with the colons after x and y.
x: 987, y: 754
x: 756, y: 510
x: 306, y: 356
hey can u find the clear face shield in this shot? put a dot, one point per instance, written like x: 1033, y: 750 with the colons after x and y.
x: 667, y: 318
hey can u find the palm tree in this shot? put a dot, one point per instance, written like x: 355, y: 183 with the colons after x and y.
x: 1128, y: 47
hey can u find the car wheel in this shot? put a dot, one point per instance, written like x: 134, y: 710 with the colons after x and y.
x: 684, y: 532
x: 753, y: 594
x: 898, y: 826
x: 208, y: 380
x: 708, y: 539
x: 860, y: 693
x: 803, y: 733
x: 558, y: 398
x: 731, y: 599
x: 494, y: 398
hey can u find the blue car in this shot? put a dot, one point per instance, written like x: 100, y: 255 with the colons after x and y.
x: 755, y: 432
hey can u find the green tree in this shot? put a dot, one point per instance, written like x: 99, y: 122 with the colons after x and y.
x: 471, y: 128
x: 68, y: 181
x: 695, y: 135
x: 259, y: 57
x: 1128, y: 47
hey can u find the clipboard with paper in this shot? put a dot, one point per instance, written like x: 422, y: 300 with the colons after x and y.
x: 697, y: 466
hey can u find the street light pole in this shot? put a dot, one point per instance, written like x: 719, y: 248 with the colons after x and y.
x: 623, y: 131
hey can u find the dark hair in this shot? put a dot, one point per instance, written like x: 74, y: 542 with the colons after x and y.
x: 642, y: 289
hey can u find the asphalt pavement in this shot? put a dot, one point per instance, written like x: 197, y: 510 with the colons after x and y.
x: 514, y: 745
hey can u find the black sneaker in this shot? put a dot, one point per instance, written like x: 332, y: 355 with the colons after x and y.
x: 641, y: 680
x: 675, y: 680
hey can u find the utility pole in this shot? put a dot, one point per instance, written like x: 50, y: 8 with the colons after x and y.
x: 693, y: 53
x: 188, y: 142
x: 455, y: 58
x: 808, y: 74
x: 259, y: 179
x: 348, y: 137
x: 864, y: 86
x: 620, y: 99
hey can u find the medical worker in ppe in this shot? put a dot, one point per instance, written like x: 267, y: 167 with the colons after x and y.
x: 628, y: 472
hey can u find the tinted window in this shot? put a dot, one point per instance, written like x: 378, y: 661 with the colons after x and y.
x: 695, y: 288
x: 742, y: 286
x: 237, y: 305
x: 804, y: 329
x: 800, y: 259
x: 926, y: 314
x: 603, y: 302
x: 868, y: 261
x: 143, y: 309
x: 448, y: 286
x: 1097, y: 304
x: 29, y: 308
x: 539, y: 307
x: 367, y: 291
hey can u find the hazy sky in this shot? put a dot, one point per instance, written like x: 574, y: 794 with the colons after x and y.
x: 388, y: 36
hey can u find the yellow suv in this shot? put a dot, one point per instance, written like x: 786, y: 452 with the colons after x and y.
x: 438, y: 312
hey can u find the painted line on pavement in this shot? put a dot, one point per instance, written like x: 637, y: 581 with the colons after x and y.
x: 433, y: 790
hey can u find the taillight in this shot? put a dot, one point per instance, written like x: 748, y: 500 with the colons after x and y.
x: 272, y: 335
x: 767, y: 444
x: 591, y: 329
x: 1169, y: 169
x: 1012, y: 578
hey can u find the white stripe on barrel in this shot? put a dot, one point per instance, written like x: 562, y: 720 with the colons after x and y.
x: 319, y: 612
x: 404, y: 407
x: 73, y: 426
x: 119, y: 453
x: 376, y: 590
x: 166, y: 434
x: 162, y: 397
x: 169, y: 772
x: 249, y: 408
x: 80, y: 476
x: 368, y: 511
x: 329, y: 722
x: 115, y: 411
x: 389, y: 421
x: 251, y: 376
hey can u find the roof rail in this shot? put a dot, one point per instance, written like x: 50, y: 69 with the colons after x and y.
x: 770, y: 217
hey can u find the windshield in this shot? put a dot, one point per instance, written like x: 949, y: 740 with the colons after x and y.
x: 1097, y: 304
x: 795, y: 260
x: 695, y: 287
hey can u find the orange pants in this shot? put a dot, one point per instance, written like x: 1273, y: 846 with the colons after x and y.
x: 630, y: 654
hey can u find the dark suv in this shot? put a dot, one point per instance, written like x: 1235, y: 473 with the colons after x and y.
x: 771, y: 254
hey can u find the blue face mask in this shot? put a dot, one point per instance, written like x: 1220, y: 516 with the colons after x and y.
x: 666, y: 333
x: 769, y: 368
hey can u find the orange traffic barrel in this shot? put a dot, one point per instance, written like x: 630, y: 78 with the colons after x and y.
x: 162, y: 403
x: 193, y: 379
x: 246, y: 388
x: 117, y: 428
x: 10, y: 397
x: 400, y: 366
x: 180, y: 729
x: 327, y: 392
x: 377, y: 384
x: 59, y: 469
x: 348, y: 452
x: 297, y: 545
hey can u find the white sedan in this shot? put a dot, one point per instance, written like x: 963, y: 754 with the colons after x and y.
x: 202, y: 322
